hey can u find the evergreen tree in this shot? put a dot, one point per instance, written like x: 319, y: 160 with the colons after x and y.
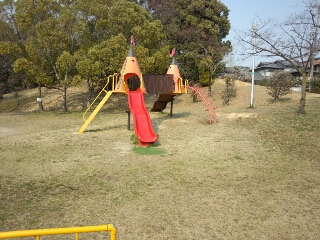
x: 192, y: 26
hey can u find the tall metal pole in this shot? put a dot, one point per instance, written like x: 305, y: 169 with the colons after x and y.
x: 314, y: 47
x: 254, y: 28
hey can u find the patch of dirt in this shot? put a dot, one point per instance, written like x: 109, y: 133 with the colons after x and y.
x: 5, y: 131
x: 243, y: 115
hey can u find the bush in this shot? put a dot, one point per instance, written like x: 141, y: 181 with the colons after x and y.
x: 280, y: 84
x: 264, y: 82
x: 229, y: 92
x: 316, y: 83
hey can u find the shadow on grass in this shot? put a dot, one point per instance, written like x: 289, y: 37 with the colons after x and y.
x: 281, y: 100
x: 95, y: 130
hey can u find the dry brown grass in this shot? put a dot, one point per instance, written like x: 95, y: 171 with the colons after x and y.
x: 253, y: 175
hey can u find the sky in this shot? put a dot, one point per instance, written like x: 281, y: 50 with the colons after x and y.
x: 243, y: 13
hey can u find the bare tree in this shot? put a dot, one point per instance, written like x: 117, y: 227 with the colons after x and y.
x: 291, y: 40
x: 230, y: 90
x: 213, y: 58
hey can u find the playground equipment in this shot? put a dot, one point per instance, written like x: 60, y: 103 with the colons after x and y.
x: 178, y: 88
x: 181, y: 88
x: 207, y: 101
x: 131, y: 82
x: 57, y: 231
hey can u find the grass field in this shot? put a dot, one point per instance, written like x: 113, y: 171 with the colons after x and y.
x: 255, y: 174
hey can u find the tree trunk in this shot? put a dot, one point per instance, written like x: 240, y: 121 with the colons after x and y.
x: 90, y: 93
x: 304, y: 81
x: 209, y: 87
x: 39, y: 100
x: 64, y: 99
x: 194, y: 98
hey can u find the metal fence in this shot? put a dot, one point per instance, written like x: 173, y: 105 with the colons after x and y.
x: 37, y: 233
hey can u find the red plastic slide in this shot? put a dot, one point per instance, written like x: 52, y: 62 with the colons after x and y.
x: 141, y: 118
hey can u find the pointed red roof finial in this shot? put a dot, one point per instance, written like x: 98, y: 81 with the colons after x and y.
x: 173, y: 52
x: 132, y: 41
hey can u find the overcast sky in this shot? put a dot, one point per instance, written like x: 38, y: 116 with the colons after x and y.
x: 243, y: 13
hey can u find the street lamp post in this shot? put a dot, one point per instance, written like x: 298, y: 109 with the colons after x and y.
x: 314, y: 47
x: 254, y: 28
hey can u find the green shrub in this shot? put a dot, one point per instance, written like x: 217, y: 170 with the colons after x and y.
x: 264, y: 82
x: 315, y: 84
x: 229, y: 92
x: 134, y: 139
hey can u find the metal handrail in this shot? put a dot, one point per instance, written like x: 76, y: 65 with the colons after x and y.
x: 115, y: 78
x: 182, y: 88
x: 186, y: 83
x: 103, y: 90
x: 54, y: 231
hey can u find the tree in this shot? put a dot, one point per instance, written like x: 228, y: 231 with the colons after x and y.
x: 192, y: 27
x: 64, y: 42
x: 105, y: 53
x: 9, y: 49
x: 30, y: 13
x: 100, y: 61
x: 212, y: 60
x: 9, y: 81
x: 229, y: 91
x: 53, y: 37
x: 8, y: 23
x: 151, y: 49
x: 289, y: 40
x: 280, y: 84
x: 18, y: 22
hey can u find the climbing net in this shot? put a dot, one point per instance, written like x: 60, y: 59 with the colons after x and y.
x: 207, y: 101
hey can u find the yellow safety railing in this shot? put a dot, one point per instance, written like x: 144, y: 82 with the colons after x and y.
x: 182, y: 87
x: 142, y: 86
x: 186, y: 83
x: 104, y: 89
x: 37, y: 233
x: 115, y: 78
